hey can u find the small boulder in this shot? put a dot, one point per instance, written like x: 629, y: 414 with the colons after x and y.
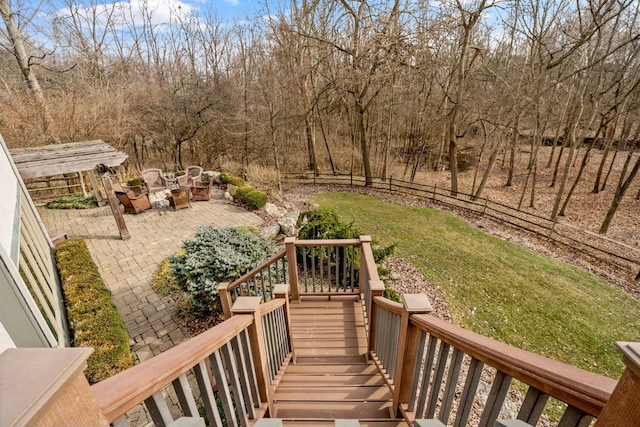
x: 228, y: 197
x: 270, y: 232
x: 231, y: 189
x: 270, y: 209
x: 287, y: 226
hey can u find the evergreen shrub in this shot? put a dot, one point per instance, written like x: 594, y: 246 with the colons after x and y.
x: 229, y: 178
x: 217, y: 255
x: 255, y: 199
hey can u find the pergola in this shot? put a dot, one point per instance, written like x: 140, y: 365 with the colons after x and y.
x: 74, y: 157
x: 58, y: 159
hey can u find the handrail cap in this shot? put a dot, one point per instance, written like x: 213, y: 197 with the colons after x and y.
x: 416, y: 303
x: 281, y: 289
x: 376, y: 285
x: 245, y: 305
x: 631, y: 352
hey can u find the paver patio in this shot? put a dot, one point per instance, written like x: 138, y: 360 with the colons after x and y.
x: 128, y: 266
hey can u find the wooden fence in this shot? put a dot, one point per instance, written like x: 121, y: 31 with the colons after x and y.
x: 598, y: 246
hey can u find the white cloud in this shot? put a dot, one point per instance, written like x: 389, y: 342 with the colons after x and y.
x: 122, y: 13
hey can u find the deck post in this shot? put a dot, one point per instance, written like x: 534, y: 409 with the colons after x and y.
x: 407, y: 347
x: 623, y: 407
x: 376, y: 289
x: 292, y: 263
x: 282, y: 292
x: 250, y: 305
x: 225, y: 299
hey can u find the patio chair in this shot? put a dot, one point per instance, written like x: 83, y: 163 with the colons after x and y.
x: 154, y: 180
x: 201, y: 191
x: 132, y: 203
x: 191, y: 177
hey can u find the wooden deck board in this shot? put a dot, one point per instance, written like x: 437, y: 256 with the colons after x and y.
x: 331, y: 378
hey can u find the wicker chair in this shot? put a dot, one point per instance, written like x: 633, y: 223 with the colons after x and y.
x: 154, y: 180
x: 201, y: 191
x: 191, y: 177
x: 132, y: 203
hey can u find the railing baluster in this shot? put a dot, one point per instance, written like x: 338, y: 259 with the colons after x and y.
x: 437, y: 381
x: 498, y: 392
x: 223, y: 389
x: 321, y: 262
x: 313, y: 268
x: 470, y: 386
x: 267, y: 343
x: 574, y: 417
x: 426, y: 379
x: 417, y: 371
x: 304, y: 268
x: 452, y: 382
x: 248, y: 357
x: 158, y: 410
x: 353, y: 266
x: 206, y: 391
x: 244, y: 377
x: 236, y: 389
x: 264, y: 291
x: 394, y: 347
x: 185, y: 396
x: 533, y: 406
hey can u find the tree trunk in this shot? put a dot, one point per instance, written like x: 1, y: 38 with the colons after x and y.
x: 623, y: 186
x: 20, y: 53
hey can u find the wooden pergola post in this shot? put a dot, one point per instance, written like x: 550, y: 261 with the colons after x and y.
x: 115, y: 207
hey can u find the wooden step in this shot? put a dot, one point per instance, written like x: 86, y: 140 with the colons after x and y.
x: 315, y: 381
x: 332, y: 410
x: 335, y: 360
x: 310, y: 369
x: 331, y: 423
x: 341, y: 393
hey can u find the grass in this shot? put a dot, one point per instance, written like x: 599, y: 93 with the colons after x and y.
x: 502, y: 290
x: 73, y: 201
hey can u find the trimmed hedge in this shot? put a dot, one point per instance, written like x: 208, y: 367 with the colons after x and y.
x: 93, y: 317
x: 251, y: 197
x: 229, y: 178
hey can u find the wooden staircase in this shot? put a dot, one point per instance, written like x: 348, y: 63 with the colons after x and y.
x: 332, y: 378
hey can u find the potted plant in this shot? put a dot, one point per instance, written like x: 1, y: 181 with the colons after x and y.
x: 135, y: 185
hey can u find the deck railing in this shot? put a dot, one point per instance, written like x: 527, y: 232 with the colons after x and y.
x: 433, y: 368
x: 235, y: 363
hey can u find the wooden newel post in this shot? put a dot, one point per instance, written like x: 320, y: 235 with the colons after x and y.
x: 292, y: 263
x: 623, y: 407
x: 408, y: 347
x: 115, y: 207
x: 376, y: 289
x: 250, y: 305
x: 225, y: 299
x: 282, y: 292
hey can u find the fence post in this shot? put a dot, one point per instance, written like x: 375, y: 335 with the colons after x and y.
x: 433, y: 197
x: 390, y: 182
x: 292, y: 264
x: 250, y: 305
x: 623, y: 407
x: 486, y: 201
x: 225, y: 299
x: 351, y: 178
x: 282, y: 292
x: 407, y: 347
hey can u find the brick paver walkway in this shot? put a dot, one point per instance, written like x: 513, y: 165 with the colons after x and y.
x: 128, y: 266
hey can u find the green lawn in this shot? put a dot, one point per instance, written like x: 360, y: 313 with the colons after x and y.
x: 500, y: 289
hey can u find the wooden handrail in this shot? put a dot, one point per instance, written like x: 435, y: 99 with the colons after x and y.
x: 125, y: 390
x: 387, y: 304
x: 579, y: 388
x: 255, y: 271
x: 270, y: 306
x: 328, y: 242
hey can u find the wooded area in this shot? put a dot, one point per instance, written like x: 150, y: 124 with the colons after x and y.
x: 337, y: 85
